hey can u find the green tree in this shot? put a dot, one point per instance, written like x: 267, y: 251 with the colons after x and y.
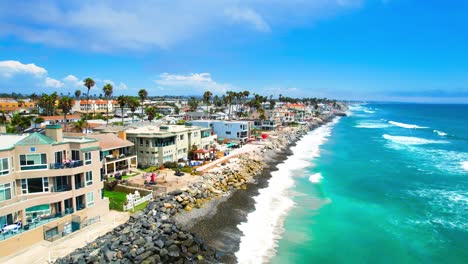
x: 122, y: 101
x: 133, y: 104
x: 65, y: 104
x: 108, y: 90
x: 151, y: 112
x: 88, y: 83
x: 142, y: 94
x: 19, y: 123
x: 206, y: 97
x: 193, y: 103
x: 80, y: 125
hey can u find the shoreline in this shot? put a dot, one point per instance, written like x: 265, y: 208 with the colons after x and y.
x: 217, y: 224
x: 174, y: 226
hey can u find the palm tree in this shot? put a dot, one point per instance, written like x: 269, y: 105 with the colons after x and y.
x: 230, y: 97
x: 80, y: 125
x: 108, y: 90
x: 65, y: 104
x: 122, y: 100
x: 151, y: 112
x: 89, y: 83
x: 206, y: 97
x: 133, y: 104
x: 142, y: 94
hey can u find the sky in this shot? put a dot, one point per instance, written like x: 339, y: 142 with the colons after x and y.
x: 384, y: 50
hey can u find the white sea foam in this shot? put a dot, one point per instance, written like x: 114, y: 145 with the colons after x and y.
x: 440, y: 133
x: 264, y: 226
x: 369, y: 111
x: 464, y: 165
x: 412, y: 140
x: 403, y: 125
x: 371, y: 124
x: 315, y: 178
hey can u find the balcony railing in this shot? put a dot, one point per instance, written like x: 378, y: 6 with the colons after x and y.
x: 67, y: 165
x: 61, y: 188
x: 121, y: 156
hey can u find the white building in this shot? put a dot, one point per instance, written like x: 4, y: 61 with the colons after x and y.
x: 237, y: 130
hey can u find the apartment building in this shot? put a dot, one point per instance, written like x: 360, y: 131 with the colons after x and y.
x: 49, y: 185
x: 155, y: 145
x: 234, y: 130
x: 95, y: 106
x: 11, y: 105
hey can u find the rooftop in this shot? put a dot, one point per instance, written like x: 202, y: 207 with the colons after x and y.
x: 9, y: 140
x: 110, y: 141
x: 164, y: 129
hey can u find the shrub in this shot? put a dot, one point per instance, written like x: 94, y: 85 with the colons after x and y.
x: 170, y: 164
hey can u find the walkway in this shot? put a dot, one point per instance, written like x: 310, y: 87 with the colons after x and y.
x: 45, y: 251
x: 232, y: 154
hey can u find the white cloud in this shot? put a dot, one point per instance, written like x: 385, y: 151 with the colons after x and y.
x: 192, y: 83
x: 9, y: 68
x: 121, y: 86
x: 249, y: 16
x: 52, y: 83
x: 72, y: 80
x: 104, y: 26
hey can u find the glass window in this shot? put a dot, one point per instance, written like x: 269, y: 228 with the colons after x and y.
x: 89, y: 178
x: 5, y: 192
x: 75, y: 154
x: 87, y: 157
x: 33, y: 161
x: 228, y: 132
x: 89, y: 199
x: 4, y: 168
x: 34, y: 185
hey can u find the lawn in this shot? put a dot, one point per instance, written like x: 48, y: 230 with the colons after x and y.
x: 116, y: 200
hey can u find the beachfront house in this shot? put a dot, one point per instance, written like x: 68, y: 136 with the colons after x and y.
x: 233, y: 130
x: 118, y: 154
x: 155, y: 145
x: 50, y: 185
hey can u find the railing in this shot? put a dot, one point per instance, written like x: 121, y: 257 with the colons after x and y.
x: 121, y: 156
x: 71, y: 164
x: 79, y: 185
x: 80, y: 207
x: 61, y: 188
x: 132, y: 203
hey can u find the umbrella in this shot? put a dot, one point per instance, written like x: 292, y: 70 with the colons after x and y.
x: 264, y: 136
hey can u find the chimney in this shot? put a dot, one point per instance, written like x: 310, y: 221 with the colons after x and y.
x: 122, y: 135
x: 55, y: 132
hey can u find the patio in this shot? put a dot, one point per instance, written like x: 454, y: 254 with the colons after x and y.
x: 30, y: 225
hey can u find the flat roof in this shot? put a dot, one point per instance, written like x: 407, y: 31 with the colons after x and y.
x: 157, y: 129
x: 8, y: 141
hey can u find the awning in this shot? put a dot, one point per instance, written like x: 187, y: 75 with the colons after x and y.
x: 202, y: 151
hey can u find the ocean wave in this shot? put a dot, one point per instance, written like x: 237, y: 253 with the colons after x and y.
x: 403, y: 125
x: 412, y: 140
x: 264, y: 226
x: 440, y: 133
x: 464, y: 165
x: 315, y: 178
x: 369, y: 111
x: 369, y: 124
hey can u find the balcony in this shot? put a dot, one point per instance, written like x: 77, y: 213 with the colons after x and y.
x: 110, y: 158
x: 61, y: 188
x: 68, y: 165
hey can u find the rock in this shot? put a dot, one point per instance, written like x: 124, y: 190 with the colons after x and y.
x: 159, y: 243
x: 175, y: 193
x: 188, y: 208
x: 163, y: 252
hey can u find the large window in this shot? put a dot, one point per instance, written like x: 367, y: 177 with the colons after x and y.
x: 4, y: 168
x: 89, y: 199
x: 5, y: 192
x: 33, y: 161
x: 75, y: 154
x: 89, y: 178
x: 59, y: 157
x: 87, y: 157
x: 34, y: 185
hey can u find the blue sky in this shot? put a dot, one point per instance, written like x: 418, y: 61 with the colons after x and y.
x: 396, y: 50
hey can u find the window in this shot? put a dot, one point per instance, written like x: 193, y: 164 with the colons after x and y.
x: 102, y: 194
x: 147, y: 144
x: 181, y: 137
x: 34, y: 185
x: 228, y: 132
x: 141, y: 142
x: 5, y: 192
x: 87, y: 157
x: 89, y: 199
x: 4, y: 168
x: 75, y: 155
x: 33, y: 161
x: 59, y: 157
x: 89, y: 178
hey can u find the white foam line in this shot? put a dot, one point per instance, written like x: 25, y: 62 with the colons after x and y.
x: 264, y: 225
x: 403, y: 125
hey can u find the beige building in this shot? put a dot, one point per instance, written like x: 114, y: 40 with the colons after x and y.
x: 117, y: 152
x: 50, y: 185
x: 155, y: 145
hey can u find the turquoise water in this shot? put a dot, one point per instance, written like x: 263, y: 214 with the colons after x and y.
x: 390, y: 185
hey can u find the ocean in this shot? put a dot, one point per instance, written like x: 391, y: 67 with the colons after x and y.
x: 387, y: 184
